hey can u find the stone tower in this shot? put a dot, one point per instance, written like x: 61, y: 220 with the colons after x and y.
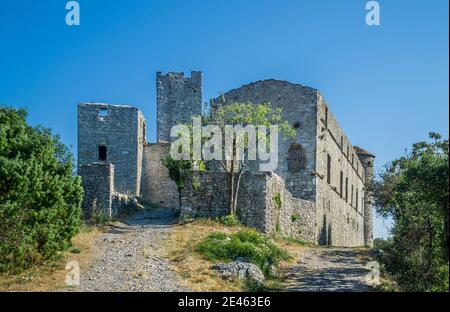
x: 367, y: 160
x: 178, y: 99
x: 113, y: 134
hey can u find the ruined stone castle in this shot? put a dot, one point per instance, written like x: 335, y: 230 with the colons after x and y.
x: 322, y: 183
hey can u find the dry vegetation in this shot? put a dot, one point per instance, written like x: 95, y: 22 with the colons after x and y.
x: 196, y: 272
x: 51, y: 276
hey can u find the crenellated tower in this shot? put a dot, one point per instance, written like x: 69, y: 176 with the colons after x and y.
x: 178, y: 99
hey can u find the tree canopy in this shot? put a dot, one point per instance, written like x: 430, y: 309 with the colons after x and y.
x: 40, y: 197
x: 414, y: 191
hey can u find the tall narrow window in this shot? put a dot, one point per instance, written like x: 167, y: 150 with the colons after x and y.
x: 144, y: 129
x: 296, y: 157
x: 346, y: 189
x: 341, y: 185
x: 348, y: 151
x: 342, y: 143
x: 102, y: 153
x: 326, y: 116
x: 351, y: 198
x: 357, y: 200
x: 328, y: 169
x: 353, y: 159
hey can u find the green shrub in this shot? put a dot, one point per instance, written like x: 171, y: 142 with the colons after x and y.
x: 40, y: 198
x: 295, y: 217
x: 229, y: 220
x: 277, y: 200
x: 248, y: 244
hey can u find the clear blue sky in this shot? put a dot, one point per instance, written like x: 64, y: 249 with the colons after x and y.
x: 387, y: 85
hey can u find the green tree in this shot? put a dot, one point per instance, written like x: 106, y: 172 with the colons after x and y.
x: 40, y: 197
x: 414, y: 191
x: 243, y: 114
x: 234, y: 114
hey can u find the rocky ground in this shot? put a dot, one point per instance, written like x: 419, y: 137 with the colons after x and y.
x: 328, y: 269
x: 130, y: 256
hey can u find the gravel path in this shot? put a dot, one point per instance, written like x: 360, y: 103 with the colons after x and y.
x: 327, y: 269
x: 130, y: 256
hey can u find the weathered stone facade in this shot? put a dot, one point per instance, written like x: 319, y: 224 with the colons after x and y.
x: 300, y: 109
x: 257, y: 205
x: 120, y: 131
x: 100, y: 198
x: 322, y: 181
x: 156, y: 185
x: 98, y: 185
x: 178, y: 99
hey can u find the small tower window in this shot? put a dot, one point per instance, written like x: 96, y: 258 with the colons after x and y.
x: 103, y: 112
x: 341, y: 185
x: 296, y: 157
x: 326, y: 115
x: 102, y: 153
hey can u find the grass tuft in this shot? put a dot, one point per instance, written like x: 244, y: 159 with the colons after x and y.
x: 248, y: 244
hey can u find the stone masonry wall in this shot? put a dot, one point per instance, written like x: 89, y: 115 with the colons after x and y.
x: 157, y: 187
x: 256, y: 205
x: 98, y: 185
x: 299, y: 108
x: 120, y: 130
x: 339, y: 201
x: 178, y: 99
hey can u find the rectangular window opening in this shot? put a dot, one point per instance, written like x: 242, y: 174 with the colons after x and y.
x: 103, y: 112
x: 346, y: 189
x: 328, y: 169
x: 102, y: 153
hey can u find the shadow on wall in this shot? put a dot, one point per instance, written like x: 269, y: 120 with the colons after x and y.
x: 326, y: 233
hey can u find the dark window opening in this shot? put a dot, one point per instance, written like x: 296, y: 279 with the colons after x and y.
x: 342, y: 143
x: 328, y: 169
x: 346, y: 189
x: 357, y: 200
x: 102, y: 153
x: 296, y: 157
x: 326, y: 116
x: 351, y: 198
x: 297, y: 125
x: 341, y: 185
x: 144, y: 131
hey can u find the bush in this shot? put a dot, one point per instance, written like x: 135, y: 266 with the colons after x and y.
x: 248, y: 244
x: 229, y: 220
x: 40, y: 198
